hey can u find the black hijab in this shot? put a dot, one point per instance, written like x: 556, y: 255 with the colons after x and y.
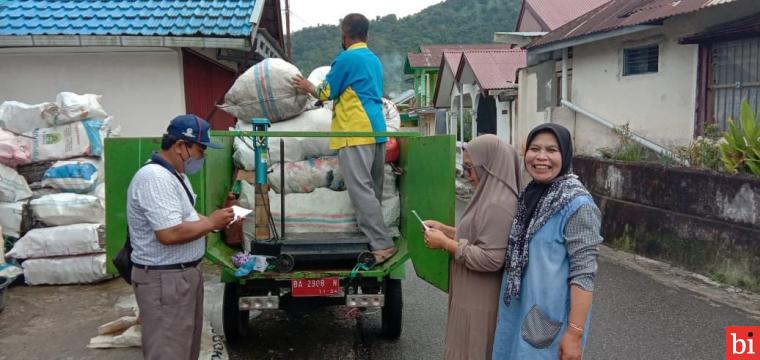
x: 535, y: 191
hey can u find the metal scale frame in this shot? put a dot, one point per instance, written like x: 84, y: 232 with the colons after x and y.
x: 290, y: 249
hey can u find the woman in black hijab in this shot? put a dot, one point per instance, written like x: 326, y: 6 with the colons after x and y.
x: 548, y: 280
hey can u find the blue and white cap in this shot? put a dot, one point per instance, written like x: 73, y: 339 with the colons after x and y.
x: 192, y: 128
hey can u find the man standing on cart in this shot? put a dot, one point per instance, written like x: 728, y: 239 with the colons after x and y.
x: 355, y: 84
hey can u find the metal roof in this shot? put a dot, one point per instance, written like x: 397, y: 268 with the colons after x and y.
x: 555, y: 13
x: 618, y: 14
x: 209, y: 18
x: 452, y: 59
x: 430, y: 55
x: 403, y: 97
x: 446, y: 79
x: 493, y: 69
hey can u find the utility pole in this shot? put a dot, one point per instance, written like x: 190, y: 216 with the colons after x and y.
x: 287, y: 30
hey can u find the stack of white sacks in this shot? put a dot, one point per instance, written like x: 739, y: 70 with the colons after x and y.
x: 315, y: 196
x: 57, y: 219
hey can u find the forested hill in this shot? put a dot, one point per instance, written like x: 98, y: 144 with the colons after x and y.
x: 391, y: 38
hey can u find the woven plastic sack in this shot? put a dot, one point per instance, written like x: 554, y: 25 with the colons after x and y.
x: 68, y: 209
x: 13, y: 187
x: 304, y: 176
x: 73, y: 107
x: 11, y: 215
x: 65, y: 240
x: 266, y: 91
x: 12, y: 151
x: 76, y: 139
x: 79, y: 176
x: 19, y: 118
x: 84, y: 269
x: 296, y: 148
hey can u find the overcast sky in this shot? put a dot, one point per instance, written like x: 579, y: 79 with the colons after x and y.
x: 305, y: 13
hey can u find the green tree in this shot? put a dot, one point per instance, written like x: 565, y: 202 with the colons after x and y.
x: 391, y: 38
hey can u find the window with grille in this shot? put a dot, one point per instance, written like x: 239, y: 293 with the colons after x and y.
x: 641, y: 60
x: 735, y: 75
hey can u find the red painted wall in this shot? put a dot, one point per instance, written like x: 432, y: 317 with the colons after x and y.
x: 205, y: 86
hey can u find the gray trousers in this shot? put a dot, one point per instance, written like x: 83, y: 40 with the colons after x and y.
x: 171, y: 312
x: 362, y: 168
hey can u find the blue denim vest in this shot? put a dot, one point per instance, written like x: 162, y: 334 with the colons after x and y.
x: 532, y: 326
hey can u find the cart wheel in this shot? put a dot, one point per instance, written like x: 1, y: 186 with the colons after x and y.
x: 285, y: 263
x: 234, y: 321
x: 392, y: 311
x: 367, y: 259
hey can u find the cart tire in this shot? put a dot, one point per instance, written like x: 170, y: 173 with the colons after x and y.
x: 234, y: 321
x: 285, y: 263
x: 393, y: 309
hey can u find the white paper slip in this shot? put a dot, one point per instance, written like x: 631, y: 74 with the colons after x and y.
x: 240, y: 212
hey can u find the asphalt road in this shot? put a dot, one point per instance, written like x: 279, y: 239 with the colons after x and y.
x: 634, y: 317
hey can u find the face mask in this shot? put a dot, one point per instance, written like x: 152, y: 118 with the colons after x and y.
x: 192, y: 166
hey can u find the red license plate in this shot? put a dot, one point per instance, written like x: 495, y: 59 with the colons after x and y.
x: 315, y: 287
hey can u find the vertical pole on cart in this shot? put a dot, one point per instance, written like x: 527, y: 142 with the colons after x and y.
x: 263, y: 225
x: 282, y: 188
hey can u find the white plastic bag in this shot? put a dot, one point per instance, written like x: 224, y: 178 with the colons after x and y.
x: 77, y: 239
x: 84, y: 269
x: 77, y: 175
x: 392, y: 116
x: 81, y: 138
x: 13, y: 187
x: 19, y: 118
x: 318, y: 75
x: 12, y: 151
x: 68, y: 209
x: 74, y: 107
x: 11, y: 217
x: 304, y: 176
x: 266, y: 91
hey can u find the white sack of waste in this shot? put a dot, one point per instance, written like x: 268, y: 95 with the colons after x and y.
x: 67, y: 240
x: 13, y: 187
x: 74, y: 107
x: 19, y: 118
x: 296, y: 148
x: 68, y: 209
x: 84, y: 269
x: 82, y: 138
x: 266, y: 91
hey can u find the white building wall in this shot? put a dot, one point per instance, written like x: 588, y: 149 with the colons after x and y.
x: 502, y: 120
x: 527, y: 114
x: 659, y: 106
x: 141, y: 87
